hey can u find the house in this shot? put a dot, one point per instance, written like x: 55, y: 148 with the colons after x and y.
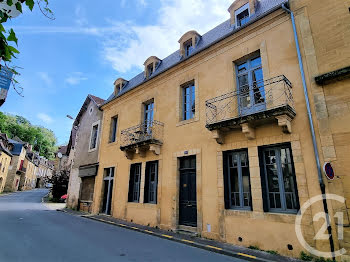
x: 215, y: 138
x: 44, y: 171
x: 85, y: 141
x: 28, y: 179
x: 16, y: 168
x: 5, y: 159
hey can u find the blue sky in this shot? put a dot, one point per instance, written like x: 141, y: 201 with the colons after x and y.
x: 92, y: 43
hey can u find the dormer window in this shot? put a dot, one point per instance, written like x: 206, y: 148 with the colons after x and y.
x: 151, y: 65
x: 118, y: 85
x: 241, y: 11
x: 188, y: 43
x: 150, y: 70
x: 188, y: 48
x: 242, y: 15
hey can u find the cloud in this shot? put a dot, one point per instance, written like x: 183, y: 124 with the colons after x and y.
x: 125, y: 50
x: 45, y: 118
x: 126, y: 45
x: 45, y: 78
x: 80, y: 14
x: 75, y: 78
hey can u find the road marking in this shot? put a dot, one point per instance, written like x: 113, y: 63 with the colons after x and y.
x: 218, y: 248
x: 121, y: 225
x: 134, y: 228
x: 148, y: 231
x: 188, y: 241
x: 245, y: 255
x: 167, y: 236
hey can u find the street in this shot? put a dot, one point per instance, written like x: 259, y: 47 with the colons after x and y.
x: 32, y: 232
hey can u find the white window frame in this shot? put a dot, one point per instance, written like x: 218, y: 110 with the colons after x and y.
x: 98, y: 135
x: 240, y: 10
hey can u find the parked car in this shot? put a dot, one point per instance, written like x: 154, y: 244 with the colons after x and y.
x: 48, y: 185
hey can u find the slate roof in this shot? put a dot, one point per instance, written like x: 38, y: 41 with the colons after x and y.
x: 17, y: 147
x: 222, y: 31
x: 97, y: 100
x: 62, y: 150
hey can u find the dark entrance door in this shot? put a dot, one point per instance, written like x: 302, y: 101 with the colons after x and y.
x: 188, y: 192
x: 108, y: 189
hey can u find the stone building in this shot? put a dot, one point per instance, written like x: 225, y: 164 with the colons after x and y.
x: 85, y: 141
x: 5, y: 159
x: 16, y: 168
x: 28, y: 179
x: 215, y: 138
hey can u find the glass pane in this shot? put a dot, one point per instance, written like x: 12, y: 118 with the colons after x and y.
x: 243, y: 89
x: 234, y: 187
x: 255, y: 62
x: 242, y: 68
x: 245, y: 179
x: 272, y: 178
x: 243, y: 17
x: 258, y: 86
x: 244, y: 159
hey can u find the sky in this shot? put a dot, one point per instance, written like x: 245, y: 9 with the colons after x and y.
x: 92, y: 43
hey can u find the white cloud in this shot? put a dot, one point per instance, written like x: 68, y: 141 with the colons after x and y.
x: 80, y: 14
x: 45, y: 78
x: 175, y: 17
x: 75, y: 78
x: 126, y: 45
x: 45, y: 118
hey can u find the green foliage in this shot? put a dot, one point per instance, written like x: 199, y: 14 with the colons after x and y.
x: 272, y: 252
x: 305, y: 257
x: 254, y: 247
x: 7, y: 52
x: 42, y: 139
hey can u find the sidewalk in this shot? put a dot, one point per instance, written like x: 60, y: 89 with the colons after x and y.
x: 210, y: 245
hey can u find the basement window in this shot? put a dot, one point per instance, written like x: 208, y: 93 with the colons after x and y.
x: 242, y: 15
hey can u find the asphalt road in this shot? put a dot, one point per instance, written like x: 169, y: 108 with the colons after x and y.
x: 29, y: 231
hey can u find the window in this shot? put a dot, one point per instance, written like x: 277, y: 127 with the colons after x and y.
x: 188, y: 48
x: 278, y: 179
x: 113, y: 130
x: 188, y: 101
x: 250, y: 86
x: 149, y: 70
x: 148, y: 116
x: 134, y: 183
x: 151, y: 181
x: 237, y: 180
x: 242, y: 15
x: 94, y: 133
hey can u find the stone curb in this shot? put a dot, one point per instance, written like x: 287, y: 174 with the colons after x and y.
x: 253, y: 256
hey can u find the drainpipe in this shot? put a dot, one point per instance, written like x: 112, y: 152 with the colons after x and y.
x: 312, y: 129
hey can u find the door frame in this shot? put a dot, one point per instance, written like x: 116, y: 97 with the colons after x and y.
x: 176, y: 198
x: 110, y: 179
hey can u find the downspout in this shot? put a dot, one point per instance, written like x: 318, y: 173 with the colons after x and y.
x: 312, y: 129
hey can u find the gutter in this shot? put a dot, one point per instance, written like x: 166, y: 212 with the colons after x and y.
x: 203, y: 49
x: 312, y: 130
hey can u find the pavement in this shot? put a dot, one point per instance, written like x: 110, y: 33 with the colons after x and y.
x: 31, y: 231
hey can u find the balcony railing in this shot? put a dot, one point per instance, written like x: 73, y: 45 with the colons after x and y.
x: 146, y: 133
x: 264, y: 99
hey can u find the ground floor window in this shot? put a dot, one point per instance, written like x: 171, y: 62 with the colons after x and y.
x: 237, y: 180
x: 278, y: 179
x: 134, y: 183
x: 151, y: 182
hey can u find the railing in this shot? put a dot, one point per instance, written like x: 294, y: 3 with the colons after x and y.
x: 148, y: 131
x: 258, y: 97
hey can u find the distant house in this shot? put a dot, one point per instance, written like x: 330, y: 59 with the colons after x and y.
x: 83, y: 148
x: 16, y: 168
x: 5, y: 159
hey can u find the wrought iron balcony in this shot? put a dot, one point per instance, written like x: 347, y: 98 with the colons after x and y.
x: 254, y: 105
x: 138, y: 139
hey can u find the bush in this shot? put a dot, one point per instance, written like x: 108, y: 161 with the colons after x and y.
x: 254, y: 247
x: 272, y: 252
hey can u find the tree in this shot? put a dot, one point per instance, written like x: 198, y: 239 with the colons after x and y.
x: 43, y: 140
x: 7, y: 51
